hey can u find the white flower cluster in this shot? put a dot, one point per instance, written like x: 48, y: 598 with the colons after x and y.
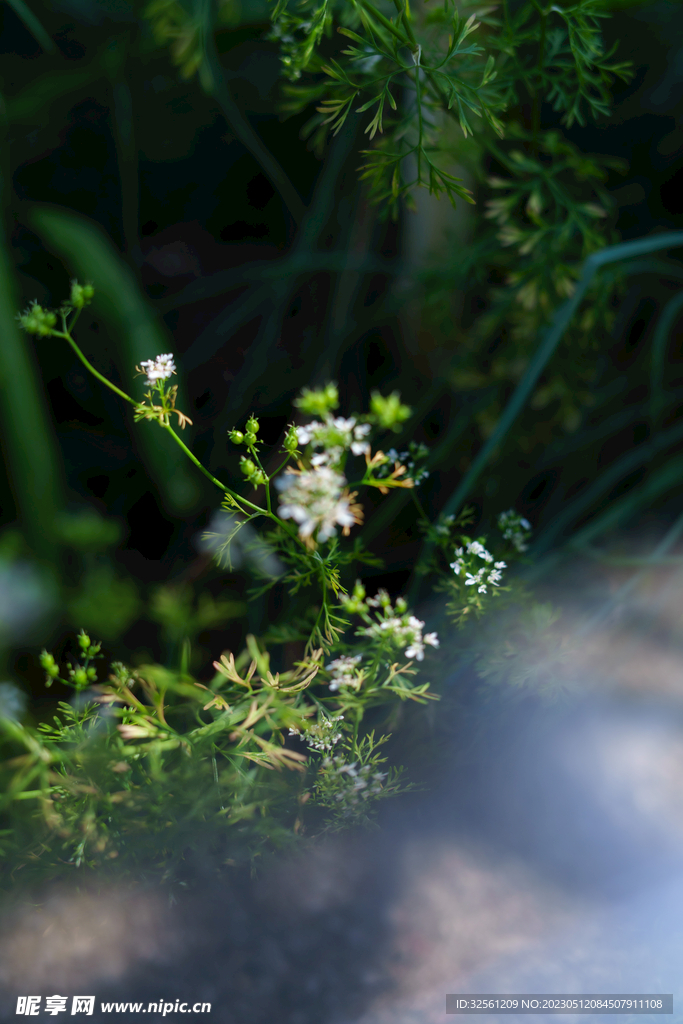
x: 344, y: 672
x: 515, y: 528
x: 160, y: 368
x: 315, y: 500
x: 482, y: 577
x: 358, y: 783
x: 335, y: 436
x: 402, y: 630
x: 324, y: 735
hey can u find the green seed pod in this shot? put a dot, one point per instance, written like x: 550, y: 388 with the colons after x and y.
x: 248, y: 467
x: 48, y: 662
x: 291, y: 441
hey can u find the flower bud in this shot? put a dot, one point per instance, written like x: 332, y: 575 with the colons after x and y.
x: 355, y: 602
x: 49, y: 664
x: 254, y: 475
x: 81, y: 294
x: 37, y: 320
x: 389, y: 413
x: 291, y: 441
x: 236, y: 436
x: 80, y: 677
x: 83, y: 641
x: 318, y: 403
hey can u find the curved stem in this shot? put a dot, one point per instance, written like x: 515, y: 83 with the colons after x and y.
x: 96, y: 373
x: 279, y: 468
x: 122, y: 394
x: 193, y: 458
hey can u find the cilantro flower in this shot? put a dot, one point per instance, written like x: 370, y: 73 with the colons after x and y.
x: 403, y: 630
x: 334, y: 435
x: 344, y: 672
x: 317, y: 501
x: 160, y: 368
x: 482, y: 577
x: 323, y: 735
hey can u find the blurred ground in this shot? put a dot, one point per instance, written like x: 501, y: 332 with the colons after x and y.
x: 548, y: 859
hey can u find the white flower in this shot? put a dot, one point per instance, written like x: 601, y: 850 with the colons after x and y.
x: 342, y: 425
x: 324, y: 734
x: 335, y: 436
x: 483, y: 578
x: 475, y: 548
x: 344, y: 672
x: 160, y: 368
x: 358, y: 445
x: 307, y: 432
x: 405, y: 631
x: 315, y: 499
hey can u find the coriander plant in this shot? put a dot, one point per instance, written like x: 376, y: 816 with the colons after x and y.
x: 145, y: 763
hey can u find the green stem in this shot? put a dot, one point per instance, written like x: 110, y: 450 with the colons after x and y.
x: 279, y: 468
x: 386, y: 23
x: 96, y: 373
x: 193, y: 458
x: 359, y: 715
x: 267, y: 485
x: 418, y: 505
x: 406, y: 24
x: 122, y: 394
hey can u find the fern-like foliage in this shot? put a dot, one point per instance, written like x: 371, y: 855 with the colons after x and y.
x: 414, y: 71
